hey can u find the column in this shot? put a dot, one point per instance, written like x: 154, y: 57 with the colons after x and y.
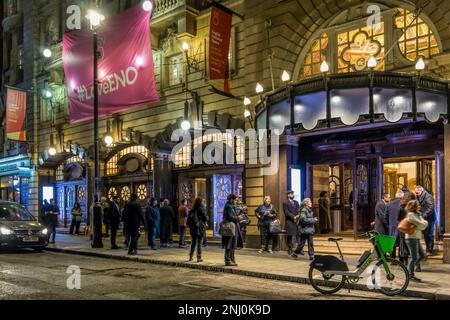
x: 162, y: 177
x: 446, y: 186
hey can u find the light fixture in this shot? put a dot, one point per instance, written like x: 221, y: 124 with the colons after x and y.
x: 420, y: 65
x: 108, y: 139
x: 95, y: 18
x: 147, y: 6
x: 52, y: 151
x: 185, y: 46
x: 259, y: 88
x: 247, y: 113
x: 285, y: 77
x: 247, y: 101
x: 185, y: 125
x: 324, y: 68
x: 372, y: 63
x: 47, y: 53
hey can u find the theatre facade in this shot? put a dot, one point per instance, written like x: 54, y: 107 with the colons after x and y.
x: 345, y: 128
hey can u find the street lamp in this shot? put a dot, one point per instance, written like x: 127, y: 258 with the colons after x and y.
x: 324, y: 68
x: 47, y: 53
x: 420, y: 65
x: 147, y: 5
x: 95, y: 19
x: 285, y: 77
x: 372, y: 63
x: 52, y: 151
x: 247, y: 101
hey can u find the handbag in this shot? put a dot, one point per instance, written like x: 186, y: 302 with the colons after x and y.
x: 244, y: 220
x: 275, y: 226
x: 227, y: 229
x: 406, y: 227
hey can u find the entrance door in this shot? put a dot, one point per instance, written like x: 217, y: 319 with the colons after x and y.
x: 222, y: 188
x: 186, y: 189
x: 361, y: 196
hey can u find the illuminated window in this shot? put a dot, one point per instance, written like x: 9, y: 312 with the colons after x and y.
x: 175, y: 73
x: 112, y: 192
x: 142, y: 192
x: 60, y: 169
x: 111, y: 165
x: 125, y: 194
x: 82, y: 194
x: 417, y: 38
x: 315, y: 56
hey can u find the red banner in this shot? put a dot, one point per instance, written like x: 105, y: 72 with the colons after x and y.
x: 219, y: 46
x: 16, y: 108
x: 126, y: 71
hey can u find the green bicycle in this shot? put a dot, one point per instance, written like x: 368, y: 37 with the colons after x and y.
x: 328, y: 274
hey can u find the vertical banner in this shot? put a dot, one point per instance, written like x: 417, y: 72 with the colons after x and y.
x: 126, y: 71
x: 16, y: 108
x: 219, y: 46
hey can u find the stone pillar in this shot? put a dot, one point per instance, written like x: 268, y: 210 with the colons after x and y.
x: 446, y: 186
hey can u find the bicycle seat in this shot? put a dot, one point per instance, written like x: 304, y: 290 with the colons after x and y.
x: 335, y: 239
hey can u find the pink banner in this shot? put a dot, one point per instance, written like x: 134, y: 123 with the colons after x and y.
x: 126, y: 70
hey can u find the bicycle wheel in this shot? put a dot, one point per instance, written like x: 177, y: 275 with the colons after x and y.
x: 325, y: 284
x: 395, y: 285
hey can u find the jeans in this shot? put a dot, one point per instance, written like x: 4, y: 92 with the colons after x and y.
x: 152, y: 237
x: 268, y: 238
x: 289, y: 242
x: 52, y: 223
x: 428, y: 234
x: 302, y: 242
x: 229, y: 256
x: 182, y: 236
x: 75, y: 225
x: 197, y: 241
x: 416, y: 254
x: 113, y: 237
x: 134, y: 239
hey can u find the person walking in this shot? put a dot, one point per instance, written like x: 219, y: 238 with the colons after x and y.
x: 413, y: 240
x: 205, y: 238
x: 403, y: 251
x: 426, y: 202
x: 306, y: 228
x: 230, y: 243
x: 243, y: 218
x: 183, y: 212
x: 267, y: 214
x: 153, y: 218
x: 197, y: 220
x: 52, y: 218
x: 115, y: 215
x: 135, y: 218
x: 291, y: 209
x: 326, y: 225
x: 381, y: 224
x: 77, y: 216
x: 167, y: 216
x: 392, y: 214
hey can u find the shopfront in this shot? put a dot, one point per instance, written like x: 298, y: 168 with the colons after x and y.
x: 15, y: 175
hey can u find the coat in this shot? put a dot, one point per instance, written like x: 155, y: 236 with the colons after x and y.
x: 307, y: 221
x: 115, y: 215
x: 419, y: 222
x: 229, y: 214
x: 153, y: 218
x: 167, y: 217
x: 183, y: 213
x: 381, y: 225
x: 265, y: 220
x: 392, y: 215
x: 199, y: 221
x: 426, y: 201
x: 291, y: 209
x: 324, y: 214
x: 134, y: 216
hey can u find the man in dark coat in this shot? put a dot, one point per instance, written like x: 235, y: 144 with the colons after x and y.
x: 52, y: 220
x: 115, y: 215
x: 426, y: 201
x: 135, y: 218
x: 392, y: 214
x: 381, y: 225
x: 291, y: 210
x: 166, y: 228
x: 230, y: 243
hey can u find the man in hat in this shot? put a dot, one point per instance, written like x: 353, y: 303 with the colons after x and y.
x: 291, y: 210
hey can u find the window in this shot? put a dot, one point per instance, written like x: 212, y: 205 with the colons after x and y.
x: 142, y: 192
x: 417, y: 39
x: 111, y: 165
x: 175, y: 72
x: 314, y: 57
x: 125, y: 193
x: 112, y: 192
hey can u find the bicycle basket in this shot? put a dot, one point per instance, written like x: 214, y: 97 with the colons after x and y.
x: 385, y: 243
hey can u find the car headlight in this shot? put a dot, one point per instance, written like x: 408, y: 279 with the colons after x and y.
x: 5, y: 231
x: 44, y: 231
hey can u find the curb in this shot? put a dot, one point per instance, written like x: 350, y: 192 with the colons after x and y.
x: 240, y: 272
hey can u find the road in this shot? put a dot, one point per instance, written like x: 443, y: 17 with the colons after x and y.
x: 31, y: 276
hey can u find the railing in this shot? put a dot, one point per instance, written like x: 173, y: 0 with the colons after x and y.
x: 164, y: 6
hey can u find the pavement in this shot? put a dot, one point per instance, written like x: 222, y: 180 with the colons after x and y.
x: 278, y: 266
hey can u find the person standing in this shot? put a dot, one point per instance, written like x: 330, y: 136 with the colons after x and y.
x: 183, y: 212
x: 52, y: 218
x: 77, y: 216
x: 413, y: 240
x: 153, y: 218
x: 230, y: 243
x: 426, y: 202
x: 106, y: 217
x: 306, y: 228
x: 243, y: 218
x: 381, y: 224
x: 392, y: 214
x: 197, y: 220
x: 267, y: 214
x: 403, y: 252
x: 135, y: 218
x: 167, y: 216
x: 115, y: 216
x: 291, y: 210
x: 326, y: 226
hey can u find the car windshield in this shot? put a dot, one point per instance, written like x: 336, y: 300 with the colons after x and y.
x: 14, y: 212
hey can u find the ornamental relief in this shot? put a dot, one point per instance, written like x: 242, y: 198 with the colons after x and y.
x: 361, y: 48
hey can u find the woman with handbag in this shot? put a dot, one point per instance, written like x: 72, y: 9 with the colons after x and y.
x: 306, y: 228
x: 197, y: 220
x: 269, y: 224
x: 77, y: 215
x: 230, y: 231
x: 243, y: 218
x: 413, y: 226
x: 403, y: 252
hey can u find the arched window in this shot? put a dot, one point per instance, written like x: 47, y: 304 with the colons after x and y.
x: 316, y: 54
x: 111, y: 165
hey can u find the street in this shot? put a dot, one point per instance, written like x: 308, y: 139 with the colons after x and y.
x: 27, y: 275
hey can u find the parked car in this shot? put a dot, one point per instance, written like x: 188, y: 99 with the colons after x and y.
x: 20, y: 229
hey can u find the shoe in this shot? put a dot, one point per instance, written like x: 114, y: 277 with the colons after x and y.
x: 125, y: 244
x: 154, y: 248
x: 418, y: 268
x: 290, y: 252
x: 115, y: 247
x: 294, y: 255
x: 413, y: 278
x: 181, y: 247
x: 260, y: 251
x: 191, y: 259
x: 270, y: 251
x: 230, y: 264
x: 311, y: 258
x: 133, y: 253
x: 199, y: 260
